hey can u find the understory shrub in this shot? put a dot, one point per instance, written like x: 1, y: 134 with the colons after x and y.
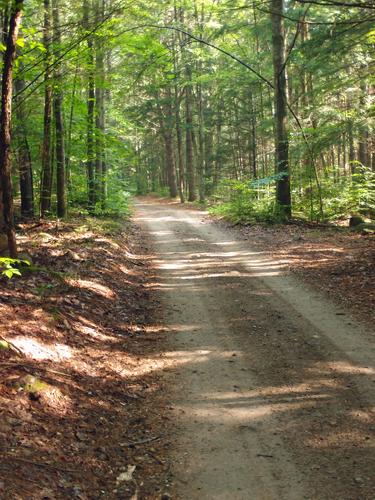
x: 254, y: 201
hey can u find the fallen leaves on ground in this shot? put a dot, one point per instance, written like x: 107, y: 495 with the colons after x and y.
x: 80, y: 392
x: 337, y: 261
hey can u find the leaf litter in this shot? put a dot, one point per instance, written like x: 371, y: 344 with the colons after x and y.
x: 335, y: 260
x: 81, y: 393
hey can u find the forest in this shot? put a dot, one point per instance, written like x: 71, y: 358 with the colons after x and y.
x: 187, y: 205
x: 264, y: 109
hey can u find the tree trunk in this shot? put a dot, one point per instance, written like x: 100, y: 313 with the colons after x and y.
x: 99, y: 113
x: 169, y: 158
x: 6, y: 196
x: 90, y: 162
x: 253, y: 141
x: 57, y: 107
x: 46, y: 174
x: 201, y: 144
x: 218, y: 152
x: 166, y: 125
x: 24, y: 158
x: 363, y: 156
x: 70, y: 130
x: 283, y: 196
x: 177, y: 102
x: 349, y: 136
x: 189, y: 141
x: 208, y: 145
x: 180, y: 155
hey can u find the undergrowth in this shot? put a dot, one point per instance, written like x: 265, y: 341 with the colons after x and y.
x: 248, y: 201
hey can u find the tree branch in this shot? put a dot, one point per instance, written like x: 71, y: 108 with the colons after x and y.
x: 334, y: 3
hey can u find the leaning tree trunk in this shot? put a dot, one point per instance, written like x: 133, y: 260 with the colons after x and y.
x: 6, y: 197
x: 283, y: 196
x: 57, y: 107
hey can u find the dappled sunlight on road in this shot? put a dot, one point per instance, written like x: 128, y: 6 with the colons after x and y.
x: 254, y: 363
x: 213, y: 264
x: 347, y: 367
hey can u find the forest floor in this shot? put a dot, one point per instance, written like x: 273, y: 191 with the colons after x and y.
x: 174, y: 355
x: 80, y: 395
x: 337, y: 261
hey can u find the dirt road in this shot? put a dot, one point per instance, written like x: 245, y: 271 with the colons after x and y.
x: 272, y: 388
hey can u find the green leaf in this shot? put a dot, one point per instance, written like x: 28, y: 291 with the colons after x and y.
x: 268, y: 180
x: 8, y: 266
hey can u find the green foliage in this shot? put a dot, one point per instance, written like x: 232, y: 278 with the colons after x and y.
x: 105, y: 225
x: 161, y: 192
x: 117, y: 204
x: 232, y: 111
x: 247, y: 202
x: 45, y: 289
x: 349, y: 196
x: 10, y: 267
x: 242, y: 202
x: 265, y: 181
x: 4, y: 345
x: 342, y: 195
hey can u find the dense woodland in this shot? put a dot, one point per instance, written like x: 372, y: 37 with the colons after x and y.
x: 262, y: 108
x: 148, y: 351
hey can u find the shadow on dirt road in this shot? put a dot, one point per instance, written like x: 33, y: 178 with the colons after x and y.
x: 273, y: 390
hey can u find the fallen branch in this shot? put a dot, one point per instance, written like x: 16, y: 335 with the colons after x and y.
x: 157, y: 460
x: 142, y: 441
x: 30, y: 370
x: 13, y: 347
x: 131, y: 396
x: 47, y: 370
x: 40, y: 464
